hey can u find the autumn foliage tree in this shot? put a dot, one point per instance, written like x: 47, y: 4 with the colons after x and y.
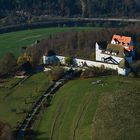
x: 69, y: 61
x: 7, y: 63
x: 24, y: 58
x: 56, y: 73
x: 5, y: 131
x: 81, y: 44
x: 96, y: 71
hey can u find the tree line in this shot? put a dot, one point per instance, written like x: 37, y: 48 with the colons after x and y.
x: 81, y: 44
x: 85, y: 8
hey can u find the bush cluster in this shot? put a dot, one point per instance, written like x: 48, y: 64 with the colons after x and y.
x: 56, y: 73
x: 95, y: 71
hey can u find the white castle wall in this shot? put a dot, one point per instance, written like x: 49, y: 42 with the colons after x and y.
x: 48, y: 60
x: 44, y: 60
x: 124, y: 72
x: 98, y: 63
x: 100, y: 56
x: 81, y: 62
x: 61, y: 59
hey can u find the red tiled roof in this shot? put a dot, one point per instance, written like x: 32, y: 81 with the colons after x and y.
x: 122, y: 39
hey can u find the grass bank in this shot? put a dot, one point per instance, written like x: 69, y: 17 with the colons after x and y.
x: 16, y: 102
x: 83, y: 111
x: 12, y: 42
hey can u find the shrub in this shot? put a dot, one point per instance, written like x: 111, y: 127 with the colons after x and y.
x: 69, y: 61
x: 5, y: 131
x: 23, y: 59
x: 7, y: 63
x: 123, y: 64
x: 77, y: 73
x: 132, y: 75
x: 95, y: 71
x: 56, y: 73
x: 135, y: 66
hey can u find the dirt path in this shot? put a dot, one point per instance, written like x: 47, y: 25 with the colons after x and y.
x: 31, y: 115
x: 29, y: 37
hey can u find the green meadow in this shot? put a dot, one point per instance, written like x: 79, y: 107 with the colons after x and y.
x: 81, y: 110
x: 17, y: 101
x: 12, y: 42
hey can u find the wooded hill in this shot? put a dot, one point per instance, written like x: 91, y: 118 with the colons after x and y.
x: 85, y: 8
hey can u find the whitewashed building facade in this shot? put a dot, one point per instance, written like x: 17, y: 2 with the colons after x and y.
x: 110, y: 57
x: 80, y: 63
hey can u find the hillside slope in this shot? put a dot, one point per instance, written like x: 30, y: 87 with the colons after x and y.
x: 84, y: 111
x: 17, y: 98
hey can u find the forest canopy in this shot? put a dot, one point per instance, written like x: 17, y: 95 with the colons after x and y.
x: 85, y: 8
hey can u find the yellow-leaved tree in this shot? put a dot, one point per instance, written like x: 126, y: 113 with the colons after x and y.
x: 24, y: 58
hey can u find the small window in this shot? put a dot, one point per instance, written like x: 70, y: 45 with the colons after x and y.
x: 103, y: 59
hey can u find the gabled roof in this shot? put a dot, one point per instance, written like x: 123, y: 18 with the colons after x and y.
x: 124, y: 40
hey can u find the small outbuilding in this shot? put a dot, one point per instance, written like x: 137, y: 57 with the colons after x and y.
x: 20, y: 74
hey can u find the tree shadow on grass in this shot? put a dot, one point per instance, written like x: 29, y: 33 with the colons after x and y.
x: 34, y: 135
x: 42, y: 139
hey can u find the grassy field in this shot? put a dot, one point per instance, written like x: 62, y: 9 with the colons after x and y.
x: 15, y: 102
x: 84, y: 111
x: 12, y: 42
